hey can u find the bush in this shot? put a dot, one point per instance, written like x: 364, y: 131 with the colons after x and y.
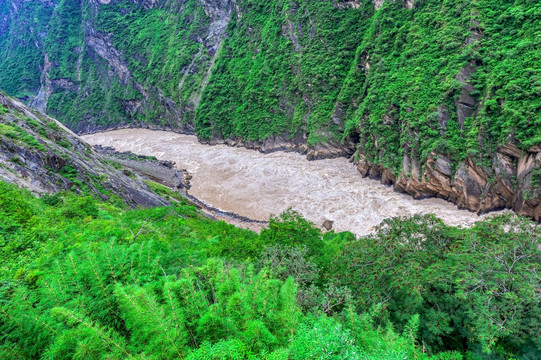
x: 81, y: 207
x: 76, y: 282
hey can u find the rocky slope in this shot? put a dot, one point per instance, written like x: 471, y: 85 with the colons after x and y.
x: 511, y: 181
x: 438, y: 98
x: 40, y: 154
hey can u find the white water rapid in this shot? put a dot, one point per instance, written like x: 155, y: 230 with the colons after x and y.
x: 256, y: 185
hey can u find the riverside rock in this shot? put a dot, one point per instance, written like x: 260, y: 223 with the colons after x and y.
x: 511, y: 181
x: 327, y: 225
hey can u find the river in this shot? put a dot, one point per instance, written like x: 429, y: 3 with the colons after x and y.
x: 256, y: 185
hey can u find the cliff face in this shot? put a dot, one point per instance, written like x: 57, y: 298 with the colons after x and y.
x: 511, y: 181
x: 98, y: 64
x: 403, y: 84
x: 184, y: 64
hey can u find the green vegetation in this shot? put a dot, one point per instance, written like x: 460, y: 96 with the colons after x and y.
x: 288, y: 61
x: 64, y: 41
x: 82, y: 279
x: 394, y: 77
x: 20, y: 60
x: 19, y: 135
x: 164, y: 191
x: 415, y: 60
x: 85, y: 279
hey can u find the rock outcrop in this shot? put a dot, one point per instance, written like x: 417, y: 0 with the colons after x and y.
x: 379, y: 3
x: 40, y: 154
x: 511, y: 181
x: 46, y: 89
x: 297, y: 143
x: 160, y: 171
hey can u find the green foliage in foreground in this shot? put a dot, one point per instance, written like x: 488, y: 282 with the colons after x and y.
x: 81, y: 279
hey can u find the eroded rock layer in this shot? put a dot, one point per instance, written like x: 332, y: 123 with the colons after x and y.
x: 40, y: 154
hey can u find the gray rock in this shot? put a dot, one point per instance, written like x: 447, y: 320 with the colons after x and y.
x: 466, y: 103
x: 62, y: 161
x: 328, y: 225
x: 511, y: 182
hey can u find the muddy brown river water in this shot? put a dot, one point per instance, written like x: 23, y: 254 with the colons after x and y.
x: 256, y: 185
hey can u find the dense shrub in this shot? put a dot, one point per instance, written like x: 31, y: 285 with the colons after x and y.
x: 83, y: 279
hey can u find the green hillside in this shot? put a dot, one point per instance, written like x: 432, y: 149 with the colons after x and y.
x: 326, y: 68
x: 84, y: 279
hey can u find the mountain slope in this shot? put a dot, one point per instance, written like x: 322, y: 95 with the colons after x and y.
x: 403, y: 84
x: 38, y: 153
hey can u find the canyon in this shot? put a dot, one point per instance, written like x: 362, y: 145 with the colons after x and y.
x: 433, y: 99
